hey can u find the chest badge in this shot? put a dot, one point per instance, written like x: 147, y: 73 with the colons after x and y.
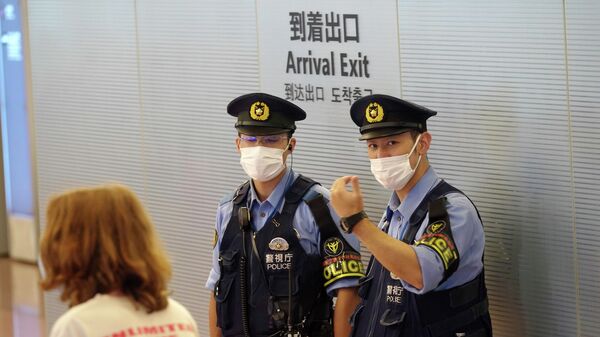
x: 279, y: 244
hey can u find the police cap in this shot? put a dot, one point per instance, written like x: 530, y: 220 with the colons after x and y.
x: 263, y: 114
x: 383, y: 115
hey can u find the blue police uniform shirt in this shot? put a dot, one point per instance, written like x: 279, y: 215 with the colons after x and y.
x: 467, y: 231
x: 304, y: 223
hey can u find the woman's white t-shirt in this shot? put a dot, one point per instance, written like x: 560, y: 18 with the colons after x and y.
x: 117, y: 316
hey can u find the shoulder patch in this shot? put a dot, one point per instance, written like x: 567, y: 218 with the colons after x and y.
x: 333, y: 246
x: 344, y: 265
x: 438, y: 237
x: 215, y: 239
x: 436, y: 227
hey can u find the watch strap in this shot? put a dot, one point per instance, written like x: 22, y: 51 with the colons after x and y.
x: 349, y: 222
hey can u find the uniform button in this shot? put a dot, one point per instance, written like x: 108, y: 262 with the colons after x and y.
x: 263, y: 214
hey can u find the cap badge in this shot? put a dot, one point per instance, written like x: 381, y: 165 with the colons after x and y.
x: 279, y: 244
x: 259, y: 111
x: 374, y: 112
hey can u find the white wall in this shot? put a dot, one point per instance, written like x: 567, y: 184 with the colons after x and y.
x: 136, y: 92
x: 22, y: 237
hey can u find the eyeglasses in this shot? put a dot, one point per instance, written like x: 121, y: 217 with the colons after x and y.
x: 265, y: 140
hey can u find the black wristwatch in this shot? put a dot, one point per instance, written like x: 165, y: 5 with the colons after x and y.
x: 348, y: 223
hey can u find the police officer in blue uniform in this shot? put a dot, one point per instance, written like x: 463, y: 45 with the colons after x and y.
x: 278, y: 254
x: 425, y: 278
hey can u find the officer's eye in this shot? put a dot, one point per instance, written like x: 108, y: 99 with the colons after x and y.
x: 391, y: 143
x: 272, y: 139
x: 248, y: 139
x: 372, y: 147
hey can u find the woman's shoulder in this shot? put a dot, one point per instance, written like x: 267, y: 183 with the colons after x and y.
x: 80, y: 314
x: 176, y: 307
x: 70, y: 324
x: 177, y: 310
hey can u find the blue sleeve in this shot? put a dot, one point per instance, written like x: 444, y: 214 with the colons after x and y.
x: 467, y: 233
x: 222, y: 218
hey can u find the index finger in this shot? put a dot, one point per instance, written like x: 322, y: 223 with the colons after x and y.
x: 342, y: 181
x: 355, y: 184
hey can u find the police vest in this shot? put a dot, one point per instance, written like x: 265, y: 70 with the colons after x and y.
x: 283, y: 286
x: 387, y: 309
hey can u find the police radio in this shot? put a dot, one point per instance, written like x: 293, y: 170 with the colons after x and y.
x: 244, y: 218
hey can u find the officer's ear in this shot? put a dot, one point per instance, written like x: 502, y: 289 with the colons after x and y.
x: 237, y: 143
x: 292, y: 144
x: 424, y: 143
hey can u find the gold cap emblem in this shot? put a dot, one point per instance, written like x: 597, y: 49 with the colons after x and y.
x: 374, y: 113
x: 259, y: 111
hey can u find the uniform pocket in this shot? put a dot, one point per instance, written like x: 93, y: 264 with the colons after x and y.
x: 277, y: 306
x: 228, y: 261
x: 391, y: 317
x: 393, y: 321
x: 225, y: 303
x: 280, y: 285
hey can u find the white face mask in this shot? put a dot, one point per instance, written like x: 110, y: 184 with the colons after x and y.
x: 394, y: 172
x: 262, y: 163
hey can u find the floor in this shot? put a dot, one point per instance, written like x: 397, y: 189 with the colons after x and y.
x: 21, y: 301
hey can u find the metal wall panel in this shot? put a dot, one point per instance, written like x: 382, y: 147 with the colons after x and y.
x: 86, y: 100
x: 194, y: 57
x: 496, y: 73
x: 583, y: 47
x: 135, y: 93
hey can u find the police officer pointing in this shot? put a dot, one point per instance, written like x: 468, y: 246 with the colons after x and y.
x: 426, y: 276
x: 278, y: 255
